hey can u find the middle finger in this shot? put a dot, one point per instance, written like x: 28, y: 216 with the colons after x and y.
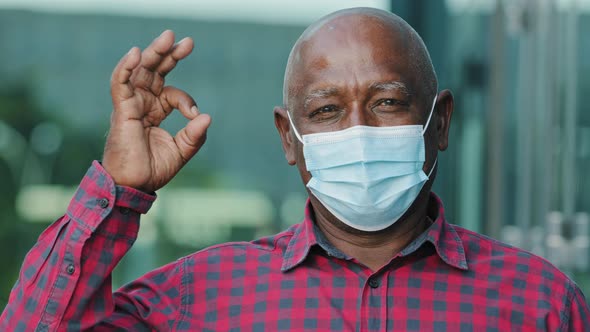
x: 179, y: 51
x: 152, y: 56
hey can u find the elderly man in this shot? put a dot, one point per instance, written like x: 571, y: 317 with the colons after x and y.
x: 363, y: 121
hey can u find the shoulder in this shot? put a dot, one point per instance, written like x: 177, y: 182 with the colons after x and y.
x: 524, y: 270
x: 263, y: 249
x: 481, y: 249
x: 520, y: 280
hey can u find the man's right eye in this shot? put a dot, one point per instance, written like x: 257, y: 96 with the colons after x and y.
x: 323, y: 112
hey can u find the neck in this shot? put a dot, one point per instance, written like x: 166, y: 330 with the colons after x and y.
x: 373, y: 249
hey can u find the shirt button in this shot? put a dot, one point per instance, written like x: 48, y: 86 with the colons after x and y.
x: 103, y: 202
x: 374, y: 283
x: 70, y: 269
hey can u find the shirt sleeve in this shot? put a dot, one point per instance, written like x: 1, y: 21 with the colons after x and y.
x: 65, y: 280
x: 578, y: 313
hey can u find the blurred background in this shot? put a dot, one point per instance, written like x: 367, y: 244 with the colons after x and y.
x: 520, y: 140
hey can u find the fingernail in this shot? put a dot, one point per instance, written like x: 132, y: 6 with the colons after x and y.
x: 194, y: 110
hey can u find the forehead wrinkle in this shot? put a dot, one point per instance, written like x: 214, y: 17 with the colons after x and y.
x: 389, y: 86
x: 319, y: 93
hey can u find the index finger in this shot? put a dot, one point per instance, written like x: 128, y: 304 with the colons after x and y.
x: 120, y: 88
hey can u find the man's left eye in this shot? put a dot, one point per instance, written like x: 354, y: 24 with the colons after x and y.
x: 390, y: 102
x: 389, y: 106
x: 387, y: 102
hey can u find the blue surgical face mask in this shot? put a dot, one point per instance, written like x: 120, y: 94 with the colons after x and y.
x: 367, y: 177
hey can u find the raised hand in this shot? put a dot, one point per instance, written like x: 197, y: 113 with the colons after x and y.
x: 138, y: 153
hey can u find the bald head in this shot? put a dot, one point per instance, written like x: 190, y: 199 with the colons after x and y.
x: 369, y: 32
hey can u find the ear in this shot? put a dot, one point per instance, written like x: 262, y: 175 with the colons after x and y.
x: 444, y: 111
x: 287, y: 138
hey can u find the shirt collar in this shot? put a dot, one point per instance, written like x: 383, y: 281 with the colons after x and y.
x: 304, y: 237
x: 441, y: 234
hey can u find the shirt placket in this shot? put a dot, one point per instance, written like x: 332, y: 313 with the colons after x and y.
x: 374, y: 302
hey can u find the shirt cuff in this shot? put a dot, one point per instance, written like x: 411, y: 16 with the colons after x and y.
x: 97, y: 195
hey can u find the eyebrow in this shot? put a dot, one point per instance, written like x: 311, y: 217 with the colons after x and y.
x: 319, y: 93
x: 377, y: 86
x: 391, y: 85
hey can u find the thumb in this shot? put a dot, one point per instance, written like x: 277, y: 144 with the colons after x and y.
x: 190, y: 138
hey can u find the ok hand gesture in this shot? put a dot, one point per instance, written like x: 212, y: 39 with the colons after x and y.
x: 139, y: 153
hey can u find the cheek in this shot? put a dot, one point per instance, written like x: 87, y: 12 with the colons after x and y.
x: 431, y: 138
x: 300, y: 161
x: 431, y: 146
x: 305, y: 176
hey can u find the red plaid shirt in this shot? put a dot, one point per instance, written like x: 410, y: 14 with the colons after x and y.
x: 447, y: 279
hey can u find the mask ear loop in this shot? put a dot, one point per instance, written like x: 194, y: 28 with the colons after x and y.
x: 424, y: 130
x: 430, y: 115
x: 432, y: 169
x: 294, y: 129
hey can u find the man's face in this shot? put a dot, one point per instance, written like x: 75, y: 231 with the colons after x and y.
x: 357, y: 70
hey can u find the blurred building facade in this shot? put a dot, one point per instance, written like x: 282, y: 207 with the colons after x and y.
x: 515, y: 169
x: 520, y: 139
